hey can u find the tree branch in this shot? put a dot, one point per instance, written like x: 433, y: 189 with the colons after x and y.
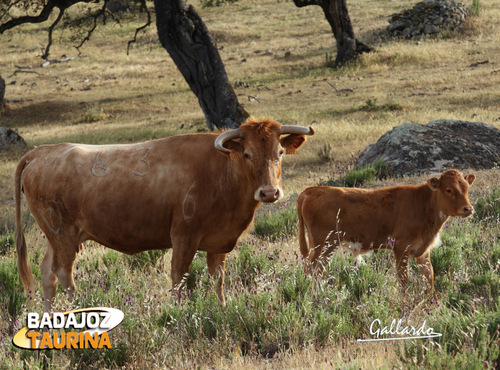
x: 303, y: 3
x: 9, y: 8
x: 137, y: 30
x: 42, y: 17
x: 94, y: 26
x: 51, y: 28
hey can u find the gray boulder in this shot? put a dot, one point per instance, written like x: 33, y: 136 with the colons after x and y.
x: 411, y: 148
x: 427, y: 18
x: 10, y: 138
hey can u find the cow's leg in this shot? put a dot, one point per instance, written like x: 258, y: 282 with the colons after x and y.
x: 49, y: 279
x: 63, y: 268
x: 182, y: 256
x: 425, y: 266
x: 217, y: 268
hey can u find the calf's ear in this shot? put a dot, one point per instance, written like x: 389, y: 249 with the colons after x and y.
x: 433, y: 183
x: 292, y: 143
x: 470, y: 178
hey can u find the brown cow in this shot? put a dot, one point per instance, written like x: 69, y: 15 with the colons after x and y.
x: 179, y: 192
x: 406, y: 219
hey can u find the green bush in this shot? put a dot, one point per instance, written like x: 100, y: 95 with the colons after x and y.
x: 359, y: 176
x: 487, y: 208
x: 143, y: 259
x: 6, y: 243
x: 475, y: 8
x: 278, y: 225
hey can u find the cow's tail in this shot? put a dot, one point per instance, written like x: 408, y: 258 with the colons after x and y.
x: 304, y: 248
x: 22, y: 253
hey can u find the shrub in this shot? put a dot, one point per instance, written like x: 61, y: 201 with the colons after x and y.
x: 277, y: 225
x: 475, y: 8
x: 359, y: 176
x: 487, y: 208
x: 143, y: 259
x: 6, y: 243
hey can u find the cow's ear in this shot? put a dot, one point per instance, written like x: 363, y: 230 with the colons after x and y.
x: 433, y: 183
x: 470, y: 178
x: 234, y: 144
x: 292, y: 143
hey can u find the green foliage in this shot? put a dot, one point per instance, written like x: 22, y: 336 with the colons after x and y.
x: 273, y: 306
x: 12, y: 295
x: 296, y: 287
x: 475, y: 8
x: 197, y: 270
x: 487, y: 208
x: 144, y: 259
x: 250, y: 264
x: 6, y: 243
x: 330, y: 61
x: 278, y: 225
x: 110, y: 258
x: 372, y: 105
x: 359, y: 176
x: 89, y: 358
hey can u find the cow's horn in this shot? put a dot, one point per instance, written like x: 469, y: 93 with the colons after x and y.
x: 225, y: 136
x: 296, y: 130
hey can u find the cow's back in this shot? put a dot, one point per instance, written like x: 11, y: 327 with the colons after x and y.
x: 123, y: 196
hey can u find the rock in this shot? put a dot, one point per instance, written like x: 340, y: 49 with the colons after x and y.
x: 10, y: 138
x: 411, y: 148
x: 427, y: 18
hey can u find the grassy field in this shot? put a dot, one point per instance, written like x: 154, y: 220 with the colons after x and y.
x: 276, y: 317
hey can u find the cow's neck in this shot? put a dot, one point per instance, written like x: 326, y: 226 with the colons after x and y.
x: 435, y: 218
x: 239, y: 186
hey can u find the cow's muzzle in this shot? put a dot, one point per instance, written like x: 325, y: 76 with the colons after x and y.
x: 268, y: 194
x: 467, y: 211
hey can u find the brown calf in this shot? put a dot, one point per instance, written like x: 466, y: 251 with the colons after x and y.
x: 406, y: 219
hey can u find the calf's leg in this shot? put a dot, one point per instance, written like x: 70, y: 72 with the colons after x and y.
x: 402, y: 268
x: 425, y: 266
x: 323, y: 247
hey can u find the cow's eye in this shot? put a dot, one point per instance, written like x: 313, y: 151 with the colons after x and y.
x: 247, y: 156
x: 448, y: 191
x: 282, y: 152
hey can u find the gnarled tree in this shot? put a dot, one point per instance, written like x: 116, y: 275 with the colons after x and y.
x: 186, y: 38
x: 337, y: 15
x: 182, y: 33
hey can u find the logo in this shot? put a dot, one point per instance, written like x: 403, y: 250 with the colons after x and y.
x: 397, y: 331
x: 67, y: 329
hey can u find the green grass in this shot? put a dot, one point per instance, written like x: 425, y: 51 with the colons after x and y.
x: 487, y: 208
x: 274, y: 308
x: 277, y: 225
x: 360, y: 176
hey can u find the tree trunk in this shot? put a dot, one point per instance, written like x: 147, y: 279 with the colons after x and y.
x: 2, y: 93
x: 185, y: 37
x: 337, y: 15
